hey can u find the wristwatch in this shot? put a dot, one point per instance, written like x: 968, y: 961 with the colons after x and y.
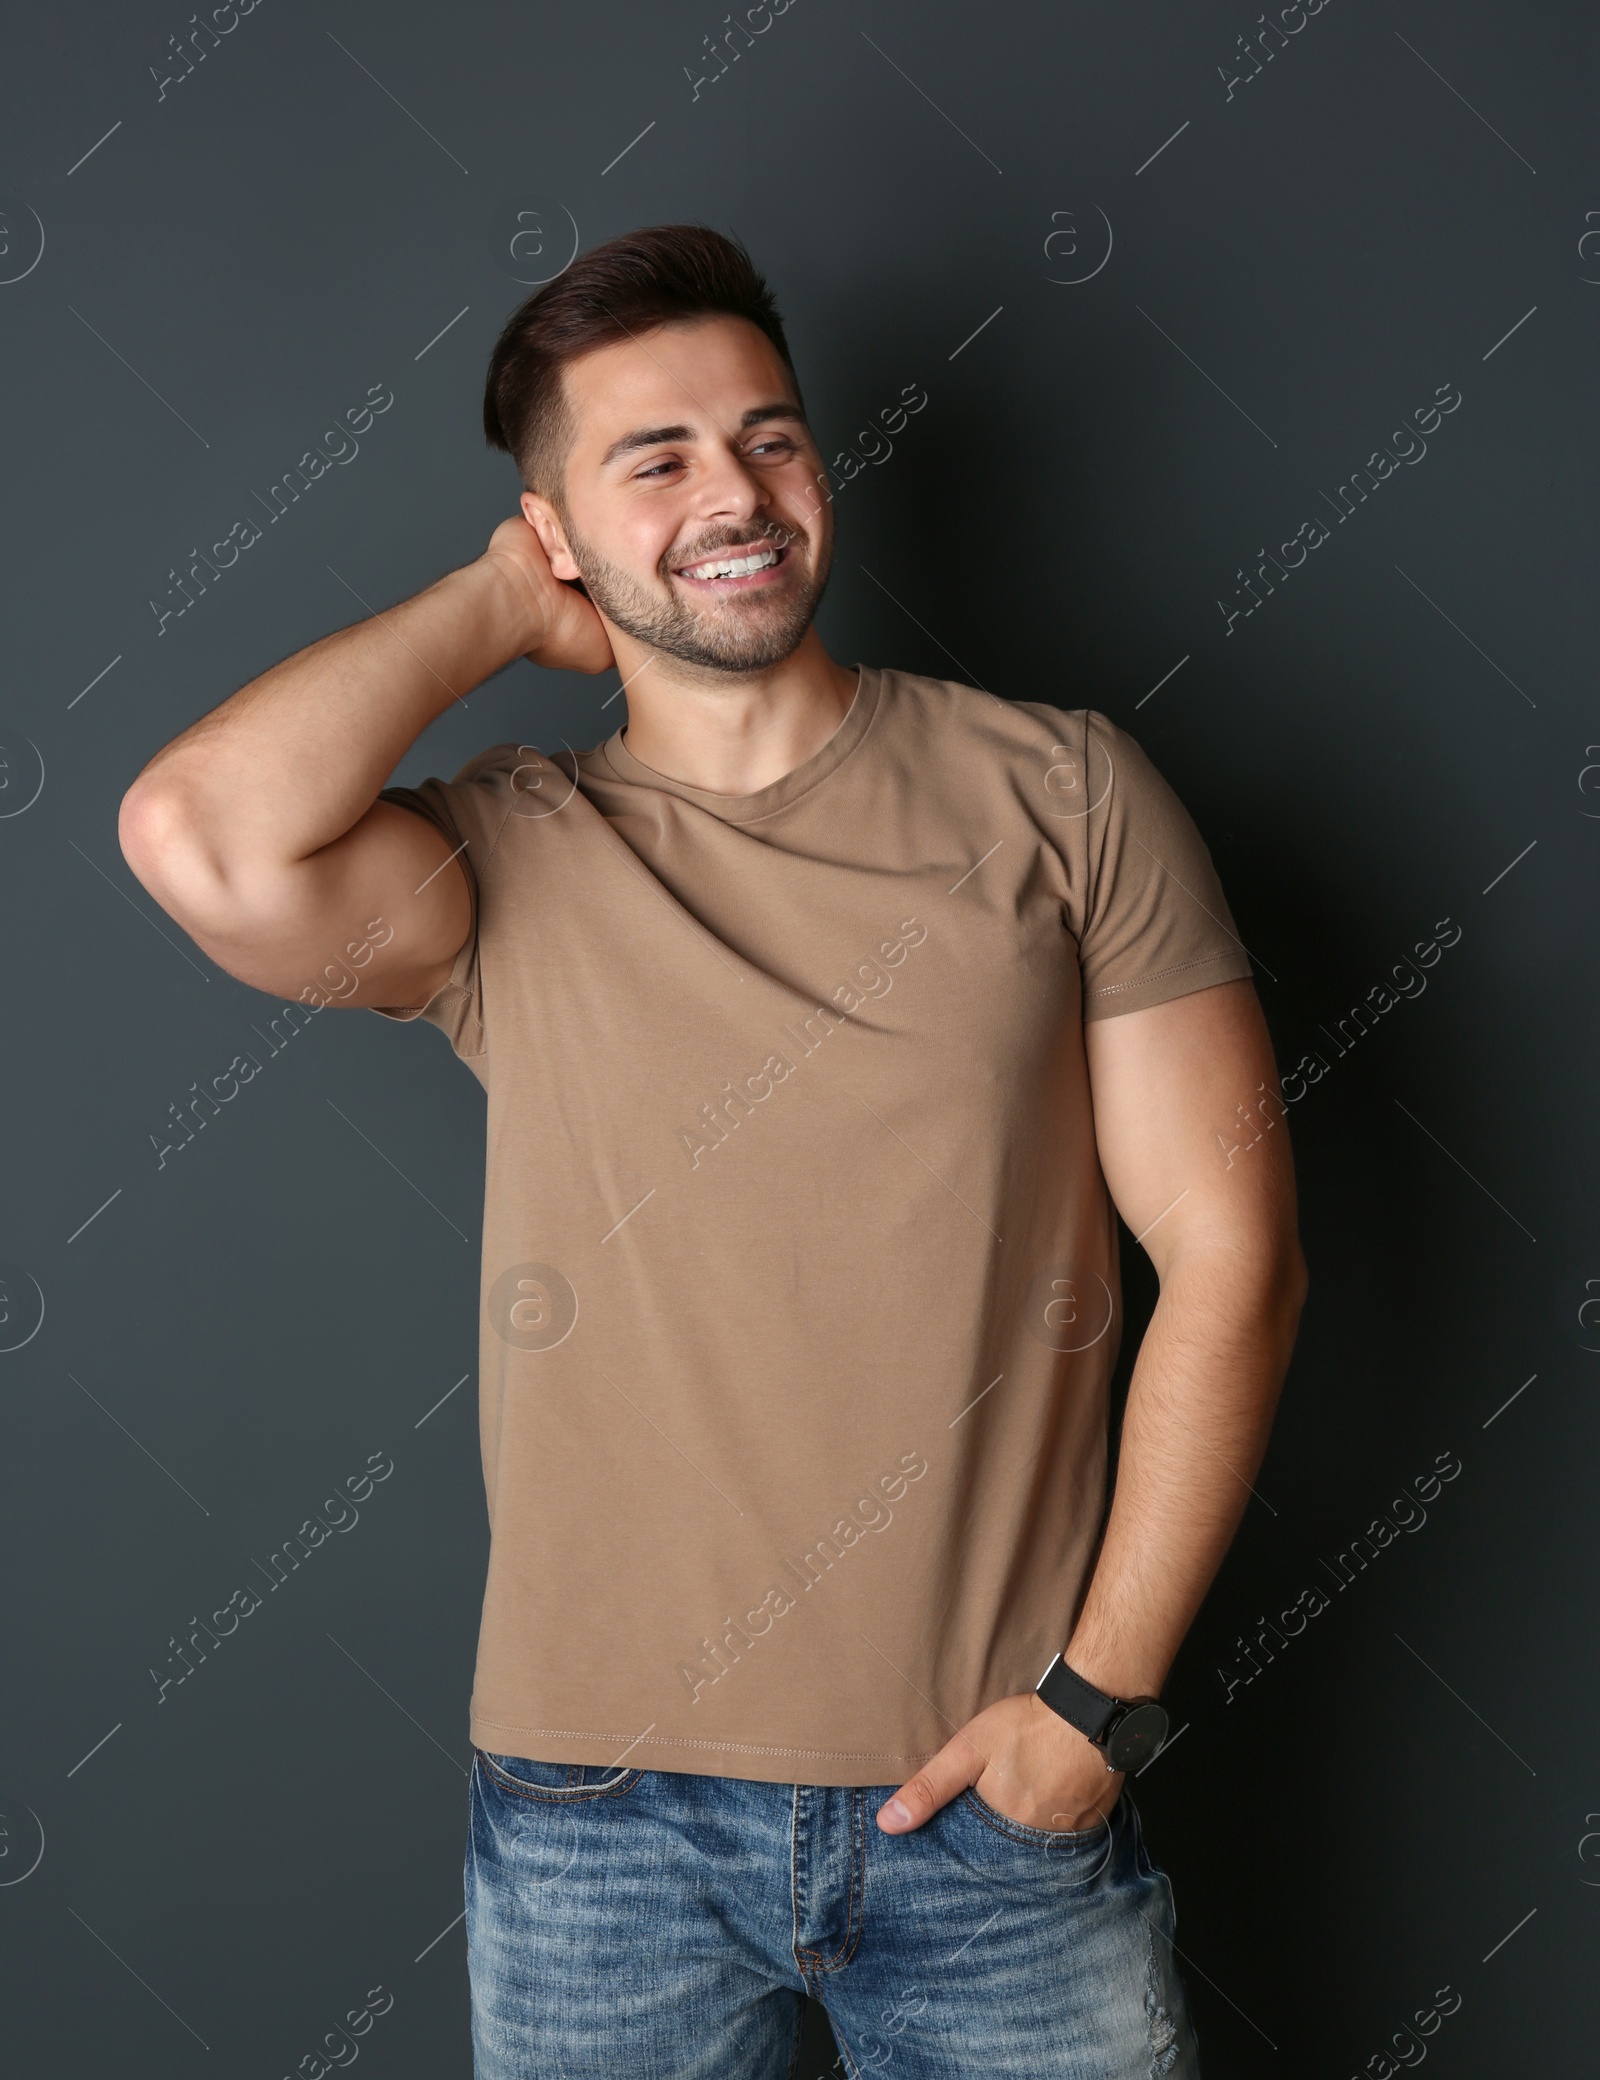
x: 1128, y: 1730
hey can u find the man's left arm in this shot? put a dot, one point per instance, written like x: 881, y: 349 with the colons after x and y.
x: 1213, y: 1203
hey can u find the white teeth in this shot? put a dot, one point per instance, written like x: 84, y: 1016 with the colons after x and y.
x: 734, y: 566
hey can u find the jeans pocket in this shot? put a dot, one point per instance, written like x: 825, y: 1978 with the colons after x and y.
x: 1010, y: 1852
x: 553, y: 1783
x: 1059, y: 1839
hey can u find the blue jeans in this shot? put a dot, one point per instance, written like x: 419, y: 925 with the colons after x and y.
x: 651, y: 1925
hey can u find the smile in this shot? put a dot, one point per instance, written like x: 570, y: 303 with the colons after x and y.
x: 738, y: 572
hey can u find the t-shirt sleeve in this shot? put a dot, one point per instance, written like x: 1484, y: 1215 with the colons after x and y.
x: 1156, y: 924
x: 469, y: 811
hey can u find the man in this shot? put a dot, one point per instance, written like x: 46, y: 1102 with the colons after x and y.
x: 823, y: 1014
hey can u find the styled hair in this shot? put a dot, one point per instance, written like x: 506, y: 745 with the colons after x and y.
x: 664, y: 274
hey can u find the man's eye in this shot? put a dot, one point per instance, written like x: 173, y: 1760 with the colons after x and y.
x: 658, y: 469
x: 776, y: 446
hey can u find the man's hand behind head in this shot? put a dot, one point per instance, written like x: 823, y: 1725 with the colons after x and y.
x: 564, y: 632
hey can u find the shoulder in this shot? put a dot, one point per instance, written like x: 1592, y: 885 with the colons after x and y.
x: 1046, y: 748
x: 969, y: 712
x: 500, y: 789
x: 521, y: 781
x: 492, y: 768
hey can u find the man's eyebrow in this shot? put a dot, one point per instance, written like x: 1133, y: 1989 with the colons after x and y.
x: 655, y: 436
x: 645, y: 437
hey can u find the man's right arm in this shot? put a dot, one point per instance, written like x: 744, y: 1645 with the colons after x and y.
x: 259, y: 828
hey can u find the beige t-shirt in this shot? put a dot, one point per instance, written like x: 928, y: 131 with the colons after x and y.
x: 799, y: 1292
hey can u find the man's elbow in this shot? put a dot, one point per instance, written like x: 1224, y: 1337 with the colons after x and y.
x: 153, y: 829
x: 1262, y: 1291
x: 1260, y: 1276
x: 149, y: 827
x: 169, y: 845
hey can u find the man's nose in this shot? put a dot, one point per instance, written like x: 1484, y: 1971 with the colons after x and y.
x: 730, y: 487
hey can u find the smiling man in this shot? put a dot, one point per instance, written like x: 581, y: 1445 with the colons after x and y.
x: 827, y: 1017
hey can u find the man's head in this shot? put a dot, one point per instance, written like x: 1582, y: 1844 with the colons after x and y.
x: 648, y: 398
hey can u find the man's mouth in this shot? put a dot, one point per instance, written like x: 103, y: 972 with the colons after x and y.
x: 742, y: 569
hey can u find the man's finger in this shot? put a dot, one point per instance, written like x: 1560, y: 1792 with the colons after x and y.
x: 956, y: 1765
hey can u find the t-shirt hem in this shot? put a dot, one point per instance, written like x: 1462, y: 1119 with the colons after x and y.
x: 1163, y: 984
x: 406, y: 1012
x: 756, y: 1761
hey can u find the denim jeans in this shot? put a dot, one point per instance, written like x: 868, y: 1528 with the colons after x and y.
x: 651, y: 1925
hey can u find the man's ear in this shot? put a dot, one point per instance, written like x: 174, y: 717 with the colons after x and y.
x: 541, y: 516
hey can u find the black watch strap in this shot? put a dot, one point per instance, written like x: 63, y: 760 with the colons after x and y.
x: 1078, y: 1702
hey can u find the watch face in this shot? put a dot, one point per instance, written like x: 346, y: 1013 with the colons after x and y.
x: 1136, y: 1736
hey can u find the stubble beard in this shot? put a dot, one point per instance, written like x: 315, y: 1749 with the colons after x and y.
x: 747, y: 634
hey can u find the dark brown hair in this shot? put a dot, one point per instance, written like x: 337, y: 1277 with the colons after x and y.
x: 664, y: 274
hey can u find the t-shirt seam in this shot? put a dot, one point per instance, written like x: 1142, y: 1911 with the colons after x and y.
x: 1093, y: 852
x: 777, y: 809
x: 473, y: 939
x: 465, y: 837
x: 1108, y: 989
x: 494, y: 844
x: 473, y: 944
x: 667, y: 1740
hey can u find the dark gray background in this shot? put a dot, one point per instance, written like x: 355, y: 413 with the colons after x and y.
x: 1405, y: 1799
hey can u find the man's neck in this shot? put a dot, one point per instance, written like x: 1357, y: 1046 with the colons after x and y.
x: 732, y: 736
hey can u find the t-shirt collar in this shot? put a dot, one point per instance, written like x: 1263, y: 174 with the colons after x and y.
x: 746, y: 808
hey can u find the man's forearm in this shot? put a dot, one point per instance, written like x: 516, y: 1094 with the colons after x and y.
x: 294, y: 759
x: 1200, y: 1405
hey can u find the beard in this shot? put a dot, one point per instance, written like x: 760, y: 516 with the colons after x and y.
x: 743, y: 634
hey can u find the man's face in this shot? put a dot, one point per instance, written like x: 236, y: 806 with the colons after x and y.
x: 695, y: 508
